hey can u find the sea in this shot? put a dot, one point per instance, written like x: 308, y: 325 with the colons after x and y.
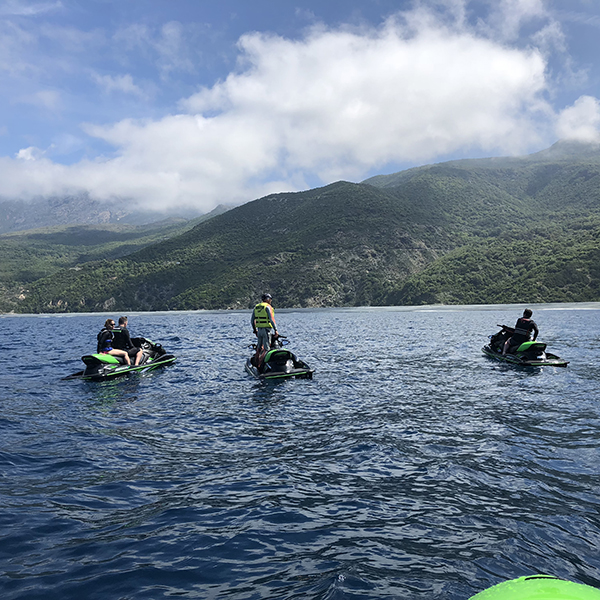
x: 410, y: 467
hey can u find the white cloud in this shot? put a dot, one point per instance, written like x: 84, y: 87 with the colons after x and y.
x: 334, y: 104
x: 46, y: 99
x: 118, y: 83
x: 339, y: 102
x: 14, y: 43
x: 509, y: 16
x: 172, y: 47
x: 31, y: 153
x: 41, y: 54
x: 24, y: 8
x: 580, y: 122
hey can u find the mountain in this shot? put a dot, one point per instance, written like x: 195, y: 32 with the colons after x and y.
x: 523, y: 229
x: 311, y: 246
x: 37, y: 253
x: 20, y: 215
x: 547, y: 250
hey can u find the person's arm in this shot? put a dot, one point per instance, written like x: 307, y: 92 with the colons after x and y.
x: 252, y: 322
x: 272, y: 318
x: 535, y: 330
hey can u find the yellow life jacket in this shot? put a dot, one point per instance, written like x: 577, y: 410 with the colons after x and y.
x: 261, y: 316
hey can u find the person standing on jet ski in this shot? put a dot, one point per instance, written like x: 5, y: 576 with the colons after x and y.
x: 105, y: 339
x: 122, y: 341
x: 525, y: 325
x: 263, y: 320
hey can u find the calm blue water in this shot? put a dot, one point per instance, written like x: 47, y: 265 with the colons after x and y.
x: 411, y: 467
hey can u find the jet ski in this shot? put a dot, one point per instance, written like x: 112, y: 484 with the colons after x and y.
x: 528, y: 354
x: 106, y: 366
x: 279, y: 363
x: 538, y: 587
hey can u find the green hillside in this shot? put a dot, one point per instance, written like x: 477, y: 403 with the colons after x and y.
x: 552, y: 264
x: 472, y: 231
x: 34, y: 254
x: 337, y: 245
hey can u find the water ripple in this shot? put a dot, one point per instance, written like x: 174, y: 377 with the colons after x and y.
x: 411, y: 467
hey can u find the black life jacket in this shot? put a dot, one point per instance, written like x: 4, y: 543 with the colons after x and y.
x: 523, y: 330
x: 120, y: 340
x: 104, y: 340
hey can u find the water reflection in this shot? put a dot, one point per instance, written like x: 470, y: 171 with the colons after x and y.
x: 109, y: 392
x: 271, y: 391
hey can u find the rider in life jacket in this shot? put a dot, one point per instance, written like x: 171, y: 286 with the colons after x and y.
x: 105, y: 339
x: 263, y: 320
x: 525, y: 325
x: 122, y: 341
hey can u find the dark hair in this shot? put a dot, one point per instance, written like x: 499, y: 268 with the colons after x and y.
x: 108, y: 322
x: 122, y: 320
x: 267, y: 297
x: 527, y: 313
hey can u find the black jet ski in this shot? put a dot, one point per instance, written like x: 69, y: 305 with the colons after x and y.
x: 528, y: 354
x: 279, y: 363
x: 106, y: 366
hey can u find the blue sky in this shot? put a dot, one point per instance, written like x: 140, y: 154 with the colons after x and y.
x: 181, y: 103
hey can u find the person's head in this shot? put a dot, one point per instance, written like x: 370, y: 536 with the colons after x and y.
x: 123, y: 321
x: 267, y: 298
x: 527, y: 313
x: 109, y: 323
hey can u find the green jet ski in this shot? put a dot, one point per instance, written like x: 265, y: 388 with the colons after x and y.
x: 105, y: 366
x: 538, y: 587
x: 279, y: 363
x: 528, y: 354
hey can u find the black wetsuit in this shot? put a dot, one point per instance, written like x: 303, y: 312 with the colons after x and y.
x: 122, y: 341
x: 523, y: 330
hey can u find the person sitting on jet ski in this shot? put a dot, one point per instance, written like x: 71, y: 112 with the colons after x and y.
x: 105, y: 338
x: 262, y: 321
x: 525, y: 325
x: 122, y: 341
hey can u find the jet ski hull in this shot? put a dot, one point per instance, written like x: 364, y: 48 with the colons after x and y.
x: 528, y: 354
x: 280, y: 364
x: 550, y: 360
x: 302, y: 373
x: 538, y: 587
x: 100, y: 367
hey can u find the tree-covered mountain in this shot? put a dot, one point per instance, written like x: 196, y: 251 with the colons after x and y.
x: 471, y: 231
x: 37, y: 253
x: 546, y: 251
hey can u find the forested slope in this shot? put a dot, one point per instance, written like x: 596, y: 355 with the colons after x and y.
x: 481, y: 231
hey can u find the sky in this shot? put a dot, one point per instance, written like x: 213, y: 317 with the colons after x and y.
x: 188, y: 104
